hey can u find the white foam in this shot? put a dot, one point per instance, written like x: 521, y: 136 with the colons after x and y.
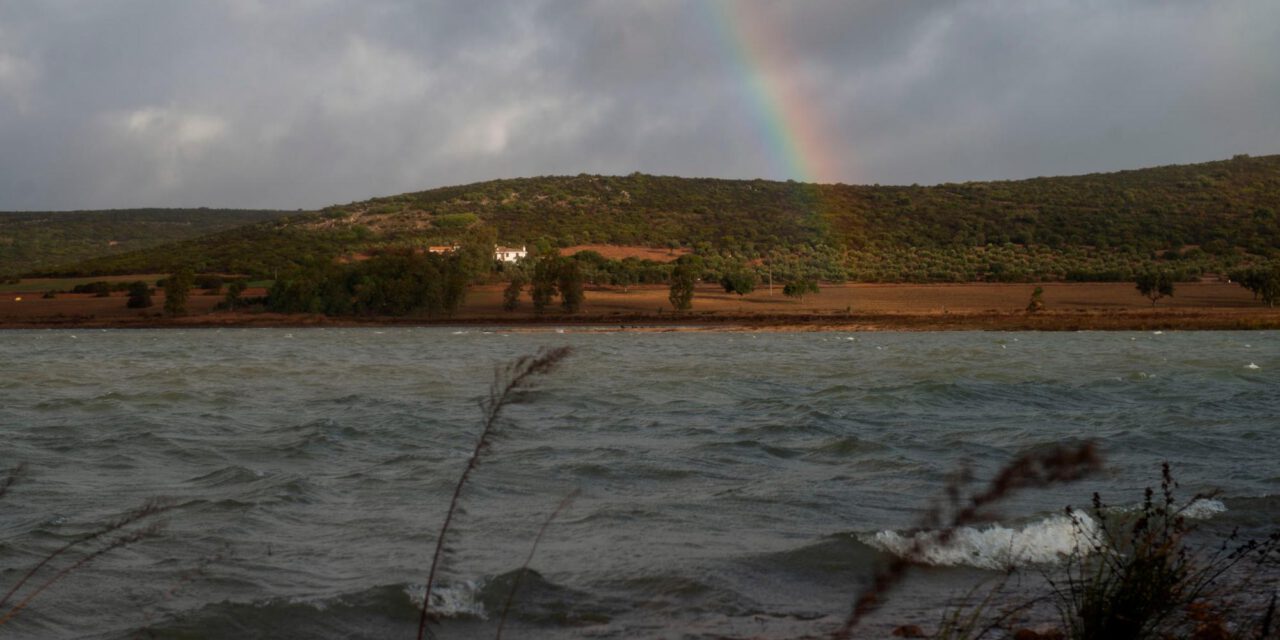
x: 1048, y: 541
x: 1198, y: 509
x: 1252, y: 366
x: 1203, y: 509
x: 453, y: 601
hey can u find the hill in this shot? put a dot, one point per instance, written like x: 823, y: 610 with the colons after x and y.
x: 1200, y: 217
x: 43, y: 240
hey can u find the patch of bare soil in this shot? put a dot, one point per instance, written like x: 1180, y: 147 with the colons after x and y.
x: 619, y: 252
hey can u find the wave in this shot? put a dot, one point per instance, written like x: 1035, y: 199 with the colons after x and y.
x: 227, y: 476
x: 462, y: 600
x: 1204, y: 508
x: 383, y: 611
x: 844, y: 446
x: 995, y: 547
x: 837, y: 554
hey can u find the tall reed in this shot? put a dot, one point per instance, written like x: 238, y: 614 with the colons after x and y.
x: 121, y: 532
x: 1142, y: 578
x: 1057, y: 465
x: 524, y: 568
x: 508, y: 383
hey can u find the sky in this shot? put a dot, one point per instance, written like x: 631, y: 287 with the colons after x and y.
x: 293, y: 104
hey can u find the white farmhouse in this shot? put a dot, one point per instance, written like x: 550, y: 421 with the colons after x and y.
x: 509, y: 254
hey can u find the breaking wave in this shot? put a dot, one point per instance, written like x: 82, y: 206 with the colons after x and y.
x: 996, y: 547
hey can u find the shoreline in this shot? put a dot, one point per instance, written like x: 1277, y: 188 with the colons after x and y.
x: 1050, y: 321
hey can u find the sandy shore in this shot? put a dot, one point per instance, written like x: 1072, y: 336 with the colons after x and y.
x: 850, y: 307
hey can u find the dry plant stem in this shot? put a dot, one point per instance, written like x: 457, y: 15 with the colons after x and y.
x: 122, y: 541
x: 506, y: 382
x: 1036, y: 469
x: 147, y: 510
x: 1142, y: 579
x: 172, y: 591
x: 954, y: 626
x: 1268, y: 618
x: 515, y: 584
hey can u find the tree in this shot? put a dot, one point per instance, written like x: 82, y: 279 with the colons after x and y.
x: 1268, y: 285
x: 799, y: 288
x: 234, y: 290
x: 315, y: 286
x: 176, y: 289
x: 476, y: 252
x: 511, y: 295
x: 1155, y: 285
x: 139, y: 295
x: 101, y: 289
x: 1037, y: 301
x: 454, y: 290
x: 683, y: 278
x: 569, y: 281
x: 209, y: 282
x: 1263, y: 282
x: 543, y: 289
x: 739, y: 280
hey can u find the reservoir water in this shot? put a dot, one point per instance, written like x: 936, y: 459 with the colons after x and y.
x: 731, y: 484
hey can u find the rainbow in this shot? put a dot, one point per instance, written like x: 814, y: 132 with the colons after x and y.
x: 794, y: 132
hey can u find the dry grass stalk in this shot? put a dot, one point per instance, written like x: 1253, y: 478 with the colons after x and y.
x: 508, y: 382
x: 1141, y: 578
x: 185, y: 579
x: 148, y: 510
x: 524, y: 568
x: 1035, y: 469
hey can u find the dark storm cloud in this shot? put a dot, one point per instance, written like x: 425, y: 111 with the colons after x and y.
x: 261, y: 103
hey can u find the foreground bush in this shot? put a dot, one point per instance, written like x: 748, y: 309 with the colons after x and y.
x: 1142, y: 578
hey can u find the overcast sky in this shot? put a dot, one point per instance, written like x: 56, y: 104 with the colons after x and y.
x: 299, y: 104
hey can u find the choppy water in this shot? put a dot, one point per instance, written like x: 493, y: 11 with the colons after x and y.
x: 732, y: 484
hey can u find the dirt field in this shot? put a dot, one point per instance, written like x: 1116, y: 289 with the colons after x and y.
x: 896, y: 298
x: 851, y: 306
x: 617, y: 252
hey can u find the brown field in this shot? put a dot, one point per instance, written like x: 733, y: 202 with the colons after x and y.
x: 1207, y: 305
x: 617, y: 252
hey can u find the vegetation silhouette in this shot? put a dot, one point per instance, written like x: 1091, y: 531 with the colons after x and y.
x: 128, y: 529
x: 508, y: 384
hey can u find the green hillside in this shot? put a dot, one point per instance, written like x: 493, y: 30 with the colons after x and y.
x: 41, y: 240
x: 1203, y: 217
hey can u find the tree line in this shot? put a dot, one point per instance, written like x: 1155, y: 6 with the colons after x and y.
x: 407, y: 282
x: 394, y: 283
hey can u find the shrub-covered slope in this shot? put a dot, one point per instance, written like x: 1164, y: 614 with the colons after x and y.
x: 1214, y: 214
x: 35, y: 241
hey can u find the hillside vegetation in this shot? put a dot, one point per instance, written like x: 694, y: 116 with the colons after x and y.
x: 1191, y: 219
x: 41, y: 240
